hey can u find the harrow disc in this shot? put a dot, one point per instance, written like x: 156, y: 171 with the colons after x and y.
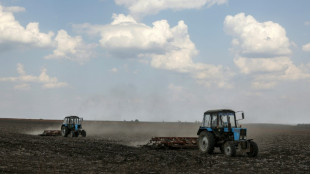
x: 177, y: 142
x: 51, y: 133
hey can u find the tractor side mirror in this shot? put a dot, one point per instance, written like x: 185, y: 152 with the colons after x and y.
x: 242, y: 115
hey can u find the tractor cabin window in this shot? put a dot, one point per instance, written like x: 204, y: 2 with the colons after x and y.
x: 206, y: 120
x: 214, y: 120
x: 224, y: 121
x: 227, y: 119
x: 66, y: 121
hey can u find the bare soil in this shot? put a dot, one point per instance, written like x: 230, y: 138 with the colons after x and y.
x: 114, y: 147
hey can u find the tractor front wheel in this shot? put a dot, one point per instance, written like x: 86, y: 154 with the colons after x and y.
x: 230, y: 149
x: 253, y: 149
x: 206, y: 142
x: 64, y: 131
x: 83, y: 133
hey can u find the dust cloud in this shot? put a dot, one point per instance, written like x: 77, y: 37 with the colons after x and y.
x: 123, y: 132
x: 138, y: 133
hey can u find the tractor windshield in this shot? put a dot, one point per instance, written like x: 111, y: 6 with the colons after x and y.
x: 72, y: 120
x: 227, y: 119
x: 219, y: 119
x: 75, y: 121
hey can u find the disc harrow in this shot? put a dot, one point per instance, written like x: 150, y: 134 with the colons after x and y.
x: 51, y: 133
x: 175, y: 142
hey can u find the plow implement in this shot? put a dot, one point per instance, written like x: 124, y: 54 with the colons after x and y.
x: 51, y: 133
x: 173, y: 142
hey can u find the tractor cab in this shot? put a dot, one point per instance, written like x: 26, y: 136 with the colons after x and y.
x: 224, y: 124
x: 73, y: 122
x: 219, y: 119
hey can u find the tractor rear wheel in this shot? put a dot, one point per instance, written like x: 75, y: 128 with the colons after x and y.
x: 253, y: 149
x: 206, y: 142
x: 64, y: 131
x: 230, y: 149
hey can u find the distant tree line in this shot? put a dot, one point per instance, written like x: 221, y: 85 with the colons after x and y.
x: 303, y: 125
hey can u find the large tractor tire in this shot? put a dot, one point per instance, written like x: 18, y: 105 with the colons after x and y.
x: 64, y: 131
x: 230, y: 149
x: 83, y: 133
x: 206, y: 142
x: 253, y: 149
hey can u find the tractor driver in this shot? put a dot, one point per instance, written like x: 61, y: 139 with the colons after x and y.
x: 223, y: 122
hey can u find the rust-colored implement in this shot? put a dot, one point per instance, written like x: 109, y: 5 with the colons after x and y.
x: 181, y: 142
x: 51, y: 133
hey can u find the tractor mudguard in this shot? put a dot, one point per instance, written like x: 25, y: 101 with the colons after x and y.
x: 203, y: 129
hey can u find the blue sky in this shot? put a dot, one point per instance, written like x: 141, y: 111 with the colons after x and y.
x: 155, y: 60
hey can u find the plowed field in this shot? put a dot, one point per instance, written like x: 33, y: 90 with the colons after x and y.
x: 113, y: 147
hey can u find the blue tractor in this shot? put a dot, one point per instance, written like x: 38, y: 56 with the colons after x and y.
x: 220, y: 129
x: 72, y: 126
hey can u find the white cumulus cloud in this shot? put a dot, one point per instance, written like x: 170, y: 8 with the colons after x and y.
x: 71, y: 48
x: 11, y: 31
x: 13, y: 34
x: 306, y: 47
x: 256, y: 39
x: 267, y: 72
x: 168, y: 47
x: 14, y: 9
x: 270, y: 80
x: 24, y: 79
x: 124, y: 33
x: 248, y: 66
x: 140, y: 8
x: 262, y: 50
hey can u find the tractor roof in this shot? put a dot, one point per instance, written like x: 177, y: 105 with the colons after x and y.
x: 72, y: 116
x: 218, y: 110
